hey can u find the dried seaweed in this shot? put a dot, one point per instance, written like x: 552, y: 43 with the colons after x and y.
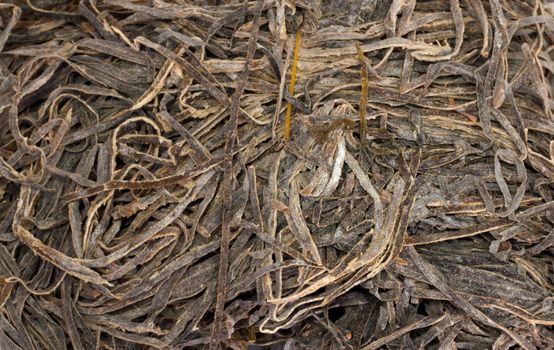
x: 306, y: 174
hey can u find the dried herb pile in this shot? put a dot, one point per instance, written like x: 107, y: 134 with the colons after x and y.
x: 276, y: 174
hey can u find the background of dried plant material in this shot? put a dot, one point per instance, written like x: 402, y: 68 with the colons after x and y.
x: 149, y: 201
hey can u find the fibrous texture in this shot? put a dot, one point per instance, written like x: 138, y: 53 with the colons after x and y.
x: 276, y: 174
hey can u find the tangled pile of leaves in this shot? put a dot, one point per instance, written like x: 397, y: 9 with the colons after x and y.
x: 276, y: 174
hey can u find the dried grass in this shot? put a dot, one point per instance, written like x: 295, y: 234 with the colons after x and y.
x: 282, y: 174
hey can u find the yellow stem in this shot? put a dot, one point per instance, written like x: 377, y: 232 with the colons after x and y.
x: 363, y: 95
x: 292, y: 82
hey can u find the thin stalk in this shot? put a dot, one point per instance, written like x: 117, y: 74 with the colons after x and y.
x: 292, y: 82
x: 363, y: 96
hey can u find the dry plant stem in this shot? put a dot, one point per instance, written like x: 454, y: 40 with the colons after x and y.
x: 363, y: 94
x: 232, y: 140
x: 294, y: 67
